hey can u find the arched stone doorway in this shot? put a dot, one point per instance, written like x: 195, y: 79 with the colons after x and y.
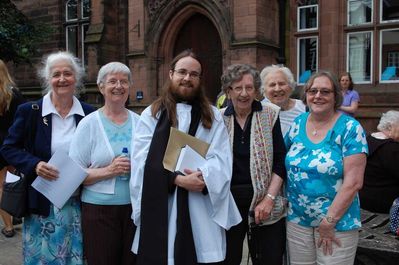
x: 201, y: 27
x: 199, y: 34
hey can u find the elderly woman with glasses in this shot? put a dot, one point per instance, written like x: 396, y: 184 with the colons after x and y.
x: 258, y: 169
x: 325, y: 164
x: 101, y: 145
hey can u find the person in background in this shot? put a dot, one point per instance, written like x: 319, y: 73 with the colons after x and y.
x: 50, y: 235
x: 221, y: 100
x: 325, y: 165
x: 10, y: 98
x: 277, y: 86
x: 381, y: 178
x: 100, y: 145
x: 351, y: 98
x: 181, y: 219
x: 258, y: 169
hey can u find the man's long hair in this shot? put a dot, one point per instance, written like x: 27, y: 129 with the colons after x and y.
x: 167, y: 100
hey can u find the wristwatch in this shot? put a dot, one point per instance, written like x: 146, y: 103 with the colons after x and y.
x: 330, y: 219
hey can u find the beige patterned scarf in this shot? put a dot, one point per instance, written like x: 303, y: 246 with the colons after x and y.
x: 261, y: 157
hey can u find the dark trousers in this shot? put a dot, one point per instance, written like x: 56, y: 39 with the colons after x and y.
x: 108, y: 232
x: 266, y: 245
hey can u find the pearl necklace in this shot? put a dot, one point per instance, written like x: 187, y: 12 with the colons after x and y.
x: 315, y: 130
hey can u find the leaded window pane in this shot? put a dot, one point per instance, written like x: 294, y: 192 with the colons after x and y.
x: 307, y: 58
x: 85, y: 8
x: 359, y: 12
x: 72, y: 39
x: 307, y: 17
x: 390, y: 10
x: 359, y: 56
x: 71, y: 10
x: 389, y: 51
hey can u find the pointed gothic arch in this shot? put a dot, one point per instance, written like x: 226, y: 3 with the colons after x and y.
x: 177, y: 26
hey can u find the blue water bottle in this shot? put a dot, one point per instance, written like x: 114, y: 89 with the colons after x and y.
x: 125, y: 153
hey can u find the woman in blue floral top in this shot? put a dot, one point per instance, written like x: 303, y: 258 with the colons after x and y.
x: 325, y: 164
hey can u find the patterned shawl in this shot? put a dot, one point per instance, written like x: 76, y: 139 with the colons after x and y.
x: 261, y: 158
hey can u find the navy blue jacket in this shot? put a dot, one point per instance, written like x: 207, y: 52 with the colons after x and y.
x: 25, y: 156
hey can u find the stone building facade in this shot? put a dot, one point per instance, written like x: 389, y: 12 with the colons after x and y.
x: 359, y: 36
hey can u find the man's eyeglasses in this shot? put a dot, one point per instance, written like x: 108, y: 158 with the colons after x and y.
x: 114, y: 82
x: 239, y: 89
x: 323, y: 92
x: 183, y: 73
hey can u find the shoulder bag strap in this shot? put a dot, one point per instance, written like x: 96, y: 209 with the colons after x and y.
x: 31, y: 126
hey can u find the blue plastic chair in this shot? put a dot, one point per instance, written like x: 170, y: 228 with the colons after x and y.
x: 388, y: 73
x: 305, y: 76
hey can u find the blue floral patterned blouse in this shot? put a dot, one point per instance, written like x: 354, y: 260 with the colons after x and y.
x: 315, y: 171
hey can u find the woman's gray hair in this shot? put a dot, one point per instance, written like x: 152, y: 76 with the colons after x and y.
x: 235, y: 72
x: 113, y: 68
x: 51, y: 60
x: 336, y: 87
x: 388, y: 119
x: 271, y: 69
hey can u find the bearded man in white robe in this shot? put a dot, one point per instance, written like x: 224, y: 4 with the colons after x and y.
x: 181, y: 219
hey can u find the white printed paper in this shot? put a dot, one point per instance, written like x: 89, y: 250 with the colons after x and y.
x: 10, y: 177
x: 71, y: 175
x: 189, y: 159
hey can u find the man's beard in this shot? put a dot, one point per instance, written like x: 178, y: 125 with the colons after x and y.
x: 185, y: 94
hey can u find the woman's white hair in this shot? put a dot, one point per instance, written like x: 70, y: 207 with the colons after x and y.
x: 388, y: 119
x: 273, y: 69
x: 113, y: 68
x: 52, y: 59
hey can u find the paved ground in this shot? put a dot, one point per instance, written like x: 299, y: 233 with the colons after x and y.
x: 11, y: 249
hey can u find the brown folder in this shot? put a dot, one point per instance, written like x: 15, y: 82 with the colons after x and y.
x: 177, y: 140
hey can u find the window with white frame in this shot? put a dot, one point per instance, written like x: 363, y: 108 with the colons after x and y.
x: 77, y: 17
x: 389, y: 55
x: 393, y: 58
x: 360, y: 12
x: 389, y: 10
x: 359, y: 59
x: 307, y: 58
x: 308, y: 15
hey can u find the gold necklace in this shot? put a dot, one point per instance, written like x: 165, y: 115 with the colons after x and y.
x: 315, y: 130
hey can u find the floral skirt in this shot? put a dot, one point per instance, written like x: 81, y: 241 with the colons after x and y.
x: 56, y: 239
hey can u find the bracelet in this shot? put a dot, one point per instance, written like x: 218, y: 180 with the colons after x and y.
x: 272, y: 197
x: 330, y: 219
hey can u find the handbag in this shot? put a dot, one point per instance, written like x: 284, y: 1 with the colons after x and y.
x: 14, y: 199
x: 394, y: 217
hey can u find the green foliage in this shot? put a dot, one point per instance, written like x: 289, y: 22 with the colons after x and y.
x: 19, y: 37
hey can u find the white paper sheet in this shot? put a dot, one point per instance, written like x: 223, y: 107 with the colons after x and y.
x: 189, y: 159
x: 71, y: 175
x: 10, y: 177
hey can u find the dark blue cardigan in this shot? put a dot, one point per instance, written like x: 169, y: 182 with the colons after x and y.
x: 25, y: 156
